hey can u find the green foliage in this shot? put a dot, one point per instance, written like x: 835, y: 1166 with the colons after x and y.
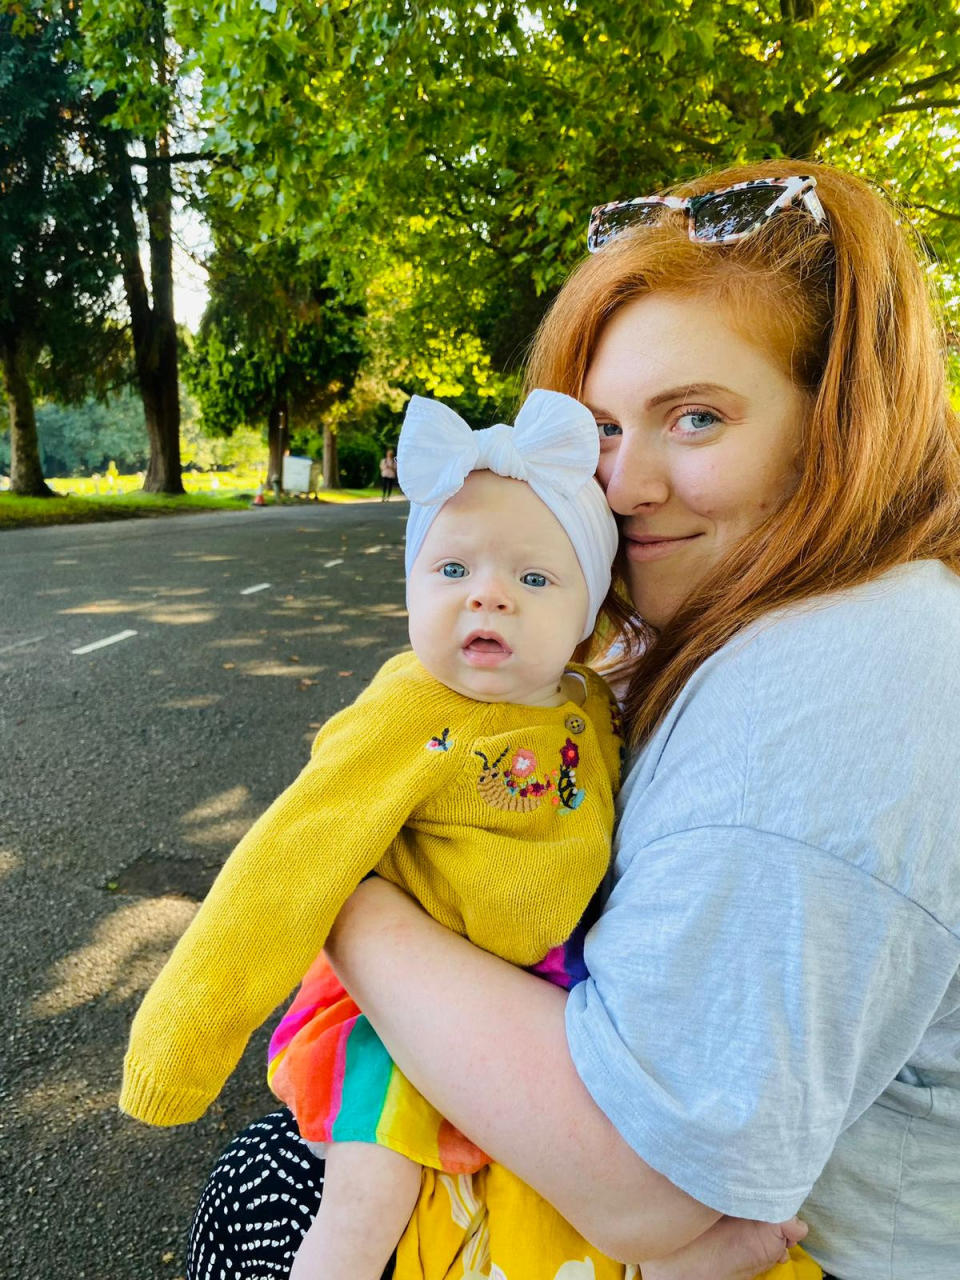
x: 358, y: 457
x: 273, y: 334
x: 452, y: 154
x: 57, y: 244
x: 80, y: 439
x: 398, y: 190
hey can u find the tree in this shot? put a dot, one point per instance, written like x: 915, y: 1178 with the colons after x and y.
x: 275, y: 343
x: 133, y: 69
x: 57, y: 251
x: 452, y: 153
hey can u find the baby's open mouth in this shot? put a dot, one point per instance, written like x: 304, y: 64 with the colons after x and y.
x: 486, y: 647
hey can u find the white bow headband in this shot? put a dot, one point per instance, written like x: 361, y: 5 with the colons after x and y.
x: 553, y: 446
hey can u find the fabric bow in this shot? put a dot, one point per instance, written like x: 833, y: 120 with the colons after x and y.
x: 553, y: 445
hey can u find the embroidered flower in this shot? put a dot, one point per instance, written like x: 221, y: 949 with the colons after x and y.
x: 569, y: 754
x: 523, y: 763
x: 443, y: 743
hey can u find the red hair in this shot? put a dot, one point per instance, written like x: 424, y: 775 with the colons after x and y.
x: 847, y: 313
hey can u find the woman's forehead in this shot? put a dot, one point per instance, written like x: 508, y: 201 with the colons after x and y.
x: 663, y: 344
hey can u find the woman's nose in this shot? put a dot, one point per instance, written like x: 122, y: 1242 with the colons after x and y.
x: 633, y: 475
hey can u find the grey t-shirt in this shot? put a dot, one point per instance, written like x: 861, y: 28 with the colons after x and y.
x: 773, y: 1014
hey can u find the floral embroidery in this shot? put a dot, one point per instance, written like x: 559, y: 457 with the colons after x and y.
x: 443, y: 743
x: 515, y: 789
x: 571, y: 797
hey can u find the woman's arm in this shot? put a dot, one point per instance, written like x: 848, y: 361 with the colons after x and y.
x: 485, y: 1042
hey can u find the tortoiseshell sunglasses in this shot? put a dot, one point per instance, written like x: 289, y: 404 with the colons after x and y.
x: 715, y: 217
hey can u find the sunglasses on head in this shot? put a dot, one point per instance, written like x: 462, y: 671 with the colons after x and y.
x: 715, y: 217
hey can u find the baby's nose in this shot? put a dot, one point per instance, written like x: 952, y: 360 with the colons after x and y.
x: 490, y: 597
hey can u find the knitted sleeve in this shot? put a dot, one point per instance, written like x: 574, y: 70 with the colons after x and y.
x: 272, y: 905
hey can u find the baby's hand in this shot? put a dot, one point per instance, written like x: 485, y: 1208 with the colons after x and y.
x: 733, y: 1249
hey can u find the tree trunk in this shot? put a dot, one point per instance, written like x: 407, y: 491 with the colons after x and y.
x: 153, y: 326
x: 277, y: 435
x: 331, y: 469
x: 159, y: 382
x: 26, y: 472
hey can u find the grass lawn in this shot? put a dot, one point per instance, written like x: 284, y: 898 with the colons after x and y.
x: 19, y: 513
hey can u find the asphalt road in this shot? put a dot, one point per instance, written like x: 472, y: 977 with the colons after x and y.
x: 127, y: 773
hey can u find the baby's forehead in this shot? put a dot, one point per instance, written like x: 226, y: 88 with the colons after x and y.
x: 496, y: 506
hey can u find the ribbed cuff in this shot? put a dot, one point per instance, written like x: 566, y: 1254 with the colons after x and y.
x: 144, y: 1099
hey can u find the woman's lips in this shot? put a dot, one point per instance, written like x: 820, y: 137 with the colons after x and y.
x: 485, y: 649
x: 655, y: 548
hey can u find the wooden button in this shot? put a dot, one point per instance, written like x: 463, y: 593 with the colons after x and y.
x: 576, y: 724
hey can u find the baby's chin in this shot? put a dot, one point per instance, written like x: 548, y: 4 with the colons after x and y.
x: 493, y: 684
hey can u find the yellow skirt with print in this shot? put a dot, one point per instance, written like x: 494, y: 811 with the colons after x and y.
x: 490, y: 1224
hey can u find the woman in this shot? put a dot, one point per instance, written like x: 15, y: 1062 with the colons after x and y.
x: 773, y: 1013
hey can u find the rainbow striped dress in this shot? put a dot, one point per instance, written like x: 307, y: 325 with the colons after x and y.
x: 328, y: 1065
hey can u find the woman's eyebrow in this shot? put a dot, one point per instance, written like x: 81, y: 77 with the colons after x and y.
x: 684, y: 391
x: 688, y: 389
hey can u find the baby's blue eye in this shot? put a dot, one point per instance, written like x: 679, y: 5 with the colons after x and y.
x: 453, y: 569
x: 534, y: 579
x: 608, y: 430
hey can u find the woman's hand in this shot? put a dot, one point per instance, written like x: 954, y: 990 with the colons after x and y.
x: 485, y: 1042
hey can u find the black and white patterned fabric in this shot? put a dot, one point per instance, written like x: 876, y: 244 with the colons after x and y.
x: 257, y: 1205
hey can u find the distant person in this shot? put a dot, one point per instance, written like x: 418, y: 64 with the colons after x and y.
x: 388, y: 475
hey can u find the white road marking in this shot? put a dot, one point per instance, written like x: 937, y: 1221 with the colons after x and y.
x: 261, y: 586
x: 21, y: 643
x: 331, y: 563
x: 100, y: 644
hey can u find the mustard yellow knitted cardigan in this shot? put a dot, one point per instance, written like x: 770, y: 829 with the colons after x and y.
x: 496, y: 817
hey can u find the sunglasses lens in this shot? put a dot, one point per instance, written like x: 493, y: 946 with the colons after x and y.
x: 613, y: 221
x: 731, y: 212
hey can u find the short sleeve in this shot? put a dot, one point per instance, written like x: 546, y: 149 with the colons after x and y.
x: 749, y: 997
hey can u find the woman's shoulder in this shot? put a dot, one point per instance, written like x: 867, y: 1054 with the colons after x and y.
x: 832, y: 724
x: 839, y: 671
x: 910, y: 609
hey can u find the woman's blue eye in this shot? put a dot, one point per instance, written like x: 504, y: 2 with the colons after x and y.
x: 608, y: 430
x: 452, y: 569
x: 699, y: 419
x: 534, y: 579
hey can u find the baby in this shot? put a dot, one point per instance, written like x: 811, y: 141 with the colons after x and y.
x: 478, y: 773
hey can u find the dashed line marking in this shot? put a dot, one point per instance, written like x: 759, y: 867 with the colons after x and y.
x: 20, y: 644
x: 100, y: 644
x: 261, y: 586
x: 330, y: 563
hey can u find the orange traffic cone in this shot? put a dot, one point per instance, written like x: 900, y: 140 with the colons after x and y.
x: 258, y: 499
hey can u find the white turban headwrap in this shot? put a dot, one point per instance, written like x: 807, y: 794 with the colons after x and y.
x: 553, y: 446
